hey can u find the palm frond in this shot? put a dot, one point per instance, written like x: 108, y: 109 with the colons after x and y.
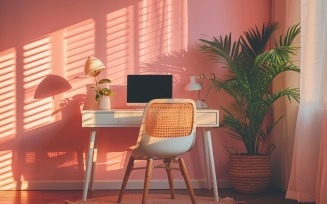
x: 255, y: 42
x: 277, y: 56
x: 291, y: 34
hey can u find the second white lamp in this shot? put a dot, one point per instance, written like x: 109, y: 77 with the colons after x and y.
x: 195, y: 86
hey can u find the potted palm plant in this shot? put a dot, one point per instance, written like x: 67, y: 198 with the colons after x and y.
x: 253, y: 61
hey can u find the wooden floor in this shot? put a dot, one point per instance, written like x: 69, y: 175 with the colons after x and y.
x: 50, y: 197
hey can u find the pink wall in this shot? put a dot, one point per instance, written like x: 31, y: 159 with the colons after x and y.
x: 42, y: 139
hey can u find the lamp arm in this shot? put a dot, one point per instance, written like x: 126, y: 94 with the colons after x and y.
x: 211, y: 77
x: 199, y: 94
x: 96, y: 82
x: 206, y: 96
x: 193, y: 85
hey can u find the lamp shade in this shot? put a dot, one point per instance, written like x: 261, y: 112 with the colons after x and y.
x: 93, y: 66
x: 193, y: 85
x: 51, y: 85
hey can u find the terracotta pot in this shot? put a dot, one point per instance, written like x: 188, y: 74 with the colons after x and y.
x: 250, y: 173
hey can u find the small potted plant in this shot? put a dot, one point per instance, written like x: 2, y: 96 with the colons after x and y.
x: 103, y: 93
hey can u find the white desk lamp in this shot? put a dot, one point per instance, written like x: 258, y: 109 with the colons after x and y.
x: 93, y: 66
x: 195, y: 86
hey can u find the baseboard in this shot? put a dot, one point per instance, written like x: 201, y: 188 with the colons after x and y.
x: 104, y: 185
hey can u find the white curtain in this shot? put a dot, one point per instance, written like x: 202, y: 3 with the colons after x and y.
x: 308, y: 179
x: 286, y: 13
x: 321, y: 196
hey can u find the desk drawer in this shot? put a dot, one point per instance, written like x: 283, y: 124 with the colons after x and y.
x: 207, y: 119
x: 100, y: 119
x: 130, y: 118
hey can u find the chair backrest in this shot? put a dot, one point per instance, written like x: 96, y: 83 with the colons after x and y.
x: 168, y: 128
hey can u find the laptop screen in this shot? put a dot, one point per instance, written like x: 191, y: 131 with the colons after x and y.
x: 143, y: 88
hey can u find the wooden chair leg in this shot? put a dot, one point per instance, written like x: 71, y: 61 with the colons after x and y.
x: 170, y: 177
x: 186, y: 179
x: 147, y: 178
x: 126, y: 176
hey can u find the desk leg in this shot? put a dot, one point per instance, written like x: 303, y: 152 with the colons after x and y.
x: 89, y: 164
x: 207, y: 138
x: 94, y: 162
x: 206, y: 153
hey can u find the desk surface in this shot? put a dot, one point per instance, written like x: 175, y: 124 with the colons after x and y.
x: 133, y: 118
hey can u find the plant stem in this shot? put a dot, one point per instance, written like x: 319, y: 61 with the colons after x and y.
x: 96, y: 82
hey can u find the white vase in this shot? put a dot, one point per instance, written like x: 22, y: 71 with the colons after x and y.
x: 104, y: 102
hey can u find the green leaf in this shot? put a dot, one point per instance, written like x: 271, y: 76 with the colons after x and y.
x: 103, y: 81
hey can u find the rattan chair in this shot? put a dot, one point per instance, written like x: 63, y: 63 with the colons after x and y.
x: 167, y: 130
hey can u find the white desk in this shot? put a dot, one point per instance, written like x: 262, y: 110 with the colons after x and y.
x: 205, y: 118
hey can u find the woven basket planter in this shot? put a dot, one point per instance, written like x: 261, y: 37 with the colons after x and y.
x: 250, y: 173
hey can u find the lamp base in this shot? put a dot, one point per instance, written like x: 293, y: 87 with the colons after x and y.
x: 200, y: 104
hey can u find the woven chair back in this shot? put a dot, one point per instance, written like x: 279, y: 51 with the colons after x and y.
x: 169, y: 120
x: 168, y: 128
